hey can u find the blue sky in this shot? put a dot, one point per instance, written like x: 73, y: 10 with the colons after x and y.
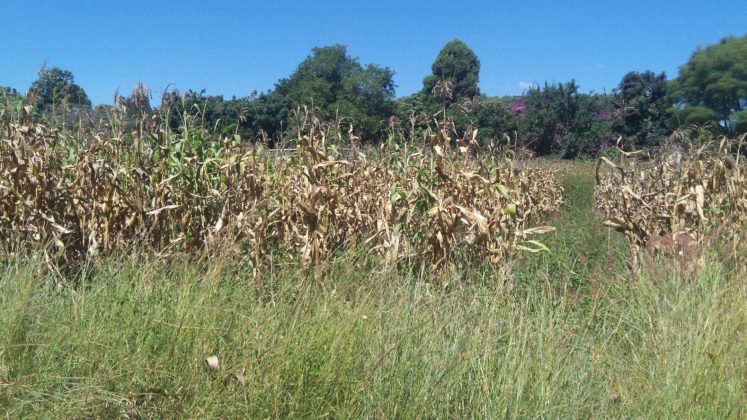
x: 233, y: 47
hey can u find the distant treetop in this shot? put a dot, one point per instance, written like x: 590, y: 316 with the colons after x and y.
x: 459, y: 65
x: 56, y: 87
x: 715, y: 77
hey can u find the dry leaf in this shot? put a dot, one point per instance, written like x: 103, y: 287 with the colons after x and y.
x: 537, y: 230
x: 212, y: 363
x: 156, y: 212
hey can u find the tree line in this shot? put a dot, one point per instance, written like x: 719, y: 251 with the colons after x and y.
x: 552, y: 118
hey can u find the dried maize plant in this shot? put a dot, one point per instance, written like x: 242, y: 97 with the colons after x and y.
x: 677, y: 195
x: 166, y: 193
x: 486, y: 208
x: 27, y: 199
x: 111, y: 194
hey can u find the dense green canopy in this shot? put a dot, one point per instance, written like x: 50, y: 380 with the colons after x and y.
x: 56, y: 87
x: 459, y: 65
x: 642, y: 102
x: 556, y: 118
x: 337, y: 84
x: 716, y: 78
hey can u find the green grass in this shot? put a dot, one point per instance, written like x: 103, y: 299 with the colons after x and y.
x: 582, y: 250
x: 554, y: 337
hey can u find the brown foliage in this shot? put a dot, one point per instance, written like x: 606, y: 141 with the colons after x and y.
x: 172, y: 193
x: 668, y: 203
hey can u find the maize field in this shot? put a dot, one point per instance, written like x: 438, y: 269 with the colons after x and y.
x: 673, y: 199
x: 94, y: 193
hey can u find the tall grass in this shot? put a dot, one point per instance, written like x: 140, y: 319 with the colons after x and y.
x: 133, y: 339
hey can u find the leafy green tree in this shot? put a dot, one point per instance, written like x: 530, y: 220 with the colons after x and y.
x: 550, y: 114
x: 457, y: 64
x: 56, y: 87
x: 641, y: 99
x: 251, y: 117
x: 495, y: 118
x: 9, y: 92
x: 10, y: 102
x: 594, y: 126
x: 269, y: 114
x: 339, y: 85
x: 741, y: 122
x: 8, y: 96
x: 716, y: 78
x: 329, y: 80
x: 693, y: 115
x: 411, y: 105
x: 203, y: 111
x: 557, y: 119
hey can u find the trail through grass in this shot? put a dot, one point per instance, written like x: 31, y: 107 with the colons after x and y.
x: 582, y: 250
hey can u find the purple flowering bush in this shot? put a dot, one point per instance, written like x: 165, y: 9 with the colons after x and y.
x: 607, y: 114
x: 519, y: 107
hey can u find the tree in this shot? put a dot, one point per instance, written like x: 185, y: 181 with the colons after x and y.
x: 716, y: 78
x: 693, y: 115
x: 741, y: 122
x: 55, y: 87
x: 9, y: 92
x: 9, y: 95
x: 641, y: 99
x: 495, y: 117
x: 269, y: 114
x: 10, y: 101
x: 251, y: 117
x: 457, y: 64
x: 557, y: 119
x: 550, y: 114
x: 208, y: 112
x: 339, y: 85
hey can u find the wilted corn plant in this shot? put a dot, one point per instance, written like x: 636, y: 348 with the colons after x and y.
x: 670, y: 200
x: 171, y: 193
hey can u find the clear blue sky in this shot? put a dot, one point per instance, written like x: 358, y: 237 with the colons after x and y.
x: 233, y: 47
